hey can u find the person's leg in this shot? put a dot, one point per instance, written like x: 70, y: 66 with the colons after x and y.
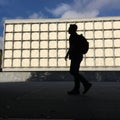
x: 74, y: 70
x: 76, y: 82
x: 83, y: 80
x: 85, y: 83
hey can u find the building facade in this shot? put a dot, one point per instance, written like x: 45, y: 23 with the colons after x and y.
x: 41, y: 45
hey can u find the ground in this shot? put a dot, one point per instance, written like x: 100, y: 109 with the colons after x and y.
x: 49, y: 100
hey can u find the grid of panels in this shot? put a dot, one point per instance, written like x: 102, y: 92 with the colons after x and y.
x: 43, y: 45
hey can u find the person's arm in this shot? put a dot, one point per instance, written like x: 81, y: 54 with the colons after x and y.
x: 67, y: 55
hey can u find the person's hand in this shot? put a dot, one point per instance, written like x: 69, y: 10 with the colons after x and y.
x: 66, y: 58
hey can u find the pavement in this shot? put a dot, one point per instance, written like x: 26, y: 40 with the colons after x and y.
x: 49, y: 100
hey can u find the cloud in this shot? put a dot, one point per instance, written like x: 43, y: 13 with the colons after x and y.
x: 75, y: 14
x: 102, y: 4
x: 84, y: 8
x: 59, y: 10
x: 36, y: 15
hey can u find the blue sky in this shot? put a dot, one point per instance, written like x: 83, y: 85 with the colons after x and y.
x: 36, y: 9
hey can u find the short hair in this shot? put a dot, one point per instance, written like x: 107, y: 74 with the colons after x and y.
x: 73, y: 26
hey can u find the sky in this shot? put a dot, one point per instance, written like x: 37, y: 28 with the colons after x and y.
x: 39, y: 9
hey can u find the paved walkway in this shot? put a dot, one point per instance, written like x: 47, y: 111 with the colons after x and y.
x: 48, y: 100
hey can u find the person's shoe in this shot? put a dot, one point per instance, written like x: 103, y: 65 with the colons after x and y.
x: 87, y: 87
x: 73, y: 92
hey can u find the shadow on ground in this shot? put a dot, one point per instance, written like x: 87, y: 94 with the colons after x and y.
x: 49, y: 100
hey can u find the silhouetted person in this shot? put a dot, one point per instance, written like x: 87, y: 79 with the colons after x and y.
x: 76, y: 56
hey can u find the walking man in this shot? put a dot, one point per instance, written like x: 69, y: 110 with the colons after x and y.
x: 75, y: 55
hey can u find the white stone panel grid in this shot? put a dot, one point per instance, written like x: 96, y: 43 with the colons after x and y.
x: 43, y: 44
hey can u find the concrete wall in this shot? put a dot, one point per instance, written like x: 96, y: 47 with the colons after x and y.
x: 100, y: 76
x: 14, y: 76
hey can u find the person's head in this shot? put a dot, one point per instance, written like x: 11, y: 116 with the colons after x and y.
x: 72, y: 29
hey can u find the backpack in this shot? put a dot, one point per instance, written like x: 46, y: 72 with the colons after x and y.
x: 84, y: 44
